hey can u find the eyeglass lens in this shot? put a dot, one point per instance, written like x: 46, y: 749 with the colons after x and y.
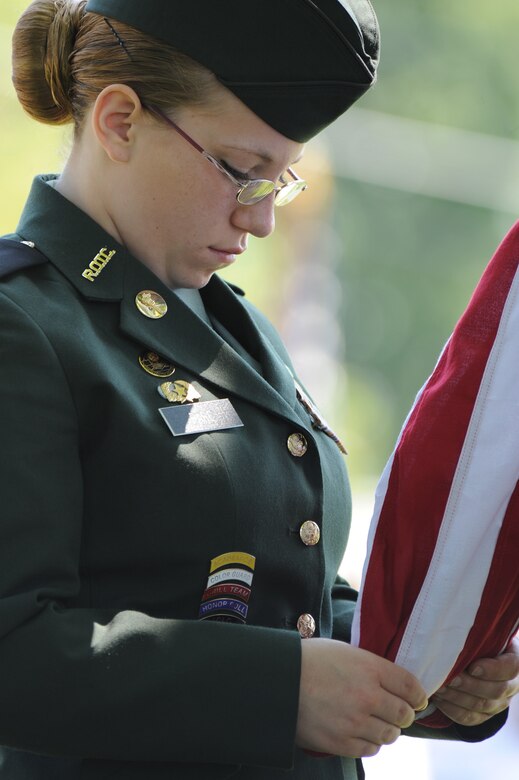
x: 257, y: 190
x: 290, y: 191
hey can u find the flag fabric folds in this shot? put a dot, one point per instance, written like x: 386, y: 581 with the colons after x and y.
x: 440, y: 585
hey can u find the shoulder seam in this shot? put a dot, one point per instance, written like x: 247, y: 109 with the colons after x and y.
x: 18, y: 255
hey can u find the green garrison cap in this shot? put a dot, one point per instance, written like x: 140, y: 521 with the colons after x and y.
x: 298, y: 64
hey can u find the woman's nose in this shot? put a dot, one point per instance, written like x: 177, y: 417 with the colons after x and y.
x: 258, y: 220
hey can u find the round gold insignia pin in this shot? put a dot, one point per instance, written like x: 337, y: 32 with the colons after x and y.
x: 155, y: 365
x: 151, y: 304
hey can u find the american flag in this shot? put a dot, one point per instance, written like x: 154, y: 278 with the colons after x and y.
x: 440, y: 586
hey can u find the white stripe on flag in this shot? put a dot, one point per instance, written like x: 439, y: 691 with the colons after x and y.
x: 380, y: 495
x: 486, y: 476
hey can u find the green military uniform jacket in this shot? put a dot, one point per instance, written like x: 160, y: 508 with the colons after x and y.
x: 109, y: 524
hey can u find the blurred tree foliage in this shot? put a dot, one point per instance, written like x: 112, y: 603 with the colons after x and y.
x: 408, y: 263
x: 451, y: 63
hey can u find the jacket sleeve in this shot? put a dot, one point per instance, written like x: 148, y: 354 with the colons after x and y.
x: 461, y: 733
x: 344, y: 598
x: 92, y: 683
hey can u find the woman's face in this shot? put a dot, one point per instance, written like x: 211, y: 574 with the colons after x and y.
x: 176, y: 211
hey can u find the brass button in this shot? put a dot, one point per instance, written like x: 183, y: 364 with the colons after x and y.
x: 310, y: 533
x: 306, y: 626
x: 151, y: 304
x: 297, y: 445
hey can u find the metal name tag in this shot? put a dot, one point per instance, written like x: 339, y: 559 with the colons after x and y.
x: 202, y: 417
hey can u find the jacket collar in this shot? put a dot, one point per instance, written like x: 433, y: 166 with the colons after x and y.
x: 74, y: 244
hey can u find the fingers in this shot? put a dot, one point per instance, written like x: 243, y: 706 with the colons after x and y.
x: 393, y: 711
x: 470, y: 700
x: 351, y: 702
x: 464, y: 701
x: 503, y: 668
x: 357, y: 738
x: 483, y: 691
x: 378, y: 733
x: 404, y: 685
x: 463, y: 716
x: 476, y: 688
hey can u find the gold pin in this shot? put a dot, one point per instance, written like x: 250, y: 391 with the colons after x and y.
x: 153, y: 364
x: 98, y: 264
x: 180, y: 392
x: 151, y: 304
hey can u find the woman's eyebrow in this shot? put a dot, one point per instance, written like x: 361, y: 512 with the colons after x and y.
x: 263, y: 156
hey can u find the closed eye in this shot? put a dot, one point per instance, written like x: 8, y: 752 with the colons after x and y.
x: 242, y: 177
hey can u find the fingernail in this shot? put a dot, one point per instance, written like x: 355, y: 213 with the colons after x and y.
x: 477, y: 672
x: 455, y: 683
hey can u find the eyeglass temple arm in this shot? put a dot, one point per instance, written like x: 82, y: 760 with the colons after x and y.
x: 172, y: 124
x: 296, y: 178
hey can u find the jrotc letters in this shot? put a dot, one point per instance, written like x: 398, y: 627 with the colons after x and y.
x: 228, y: 590
x: 98, y: 264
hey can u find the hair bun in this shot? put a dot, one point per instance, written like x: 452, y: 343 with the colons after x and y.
x: 43, y: 43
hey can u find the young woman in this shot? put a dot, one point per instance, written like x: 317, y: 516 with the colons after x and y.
x: 174, y: 509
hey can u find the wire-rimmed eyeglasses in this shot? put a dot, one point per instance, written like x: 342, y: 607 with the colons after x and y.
x: 251, y: 191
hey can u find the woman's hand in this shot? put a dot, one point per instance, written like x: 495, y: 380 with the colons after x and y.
x: 351, y: 701
x: 483, y: 690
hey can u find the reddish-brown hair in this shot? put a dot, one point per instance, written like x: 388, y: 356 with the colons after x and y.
x: 63, y: 58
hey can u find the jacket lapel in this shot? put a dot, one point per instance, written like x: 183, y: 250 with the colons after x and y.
x: 231, y: 312
x: 81, y: 245
x: 182, y: 338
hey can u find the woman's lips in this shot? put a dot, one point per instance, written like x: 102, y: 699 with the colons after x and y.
x: 228, y: 255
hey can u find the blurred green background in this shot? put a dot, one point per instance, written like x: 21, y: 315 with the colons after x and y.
x: 373, y: 270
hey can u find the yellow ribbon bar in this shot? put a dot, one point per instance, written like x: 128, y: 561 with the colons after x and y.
x: 233, y: 558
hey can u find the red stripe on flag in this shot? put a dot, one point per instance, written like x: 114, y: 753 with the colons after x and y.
x: 496, y: 620
x: 420, y: 480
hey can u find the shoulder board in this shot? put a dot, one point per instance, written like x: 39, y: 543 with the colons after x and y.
x: 15, y: 256
x: 236, y: 289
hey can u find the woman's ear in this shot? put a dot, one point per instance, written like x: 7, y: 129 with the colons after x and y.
x: 115, y: 112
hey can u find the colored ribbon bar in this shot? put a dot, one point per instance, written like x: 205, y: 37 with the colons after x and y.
x: 223, y: 605
x: 235, y: 558
x: 230, y: 574
x: 227, y: 589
